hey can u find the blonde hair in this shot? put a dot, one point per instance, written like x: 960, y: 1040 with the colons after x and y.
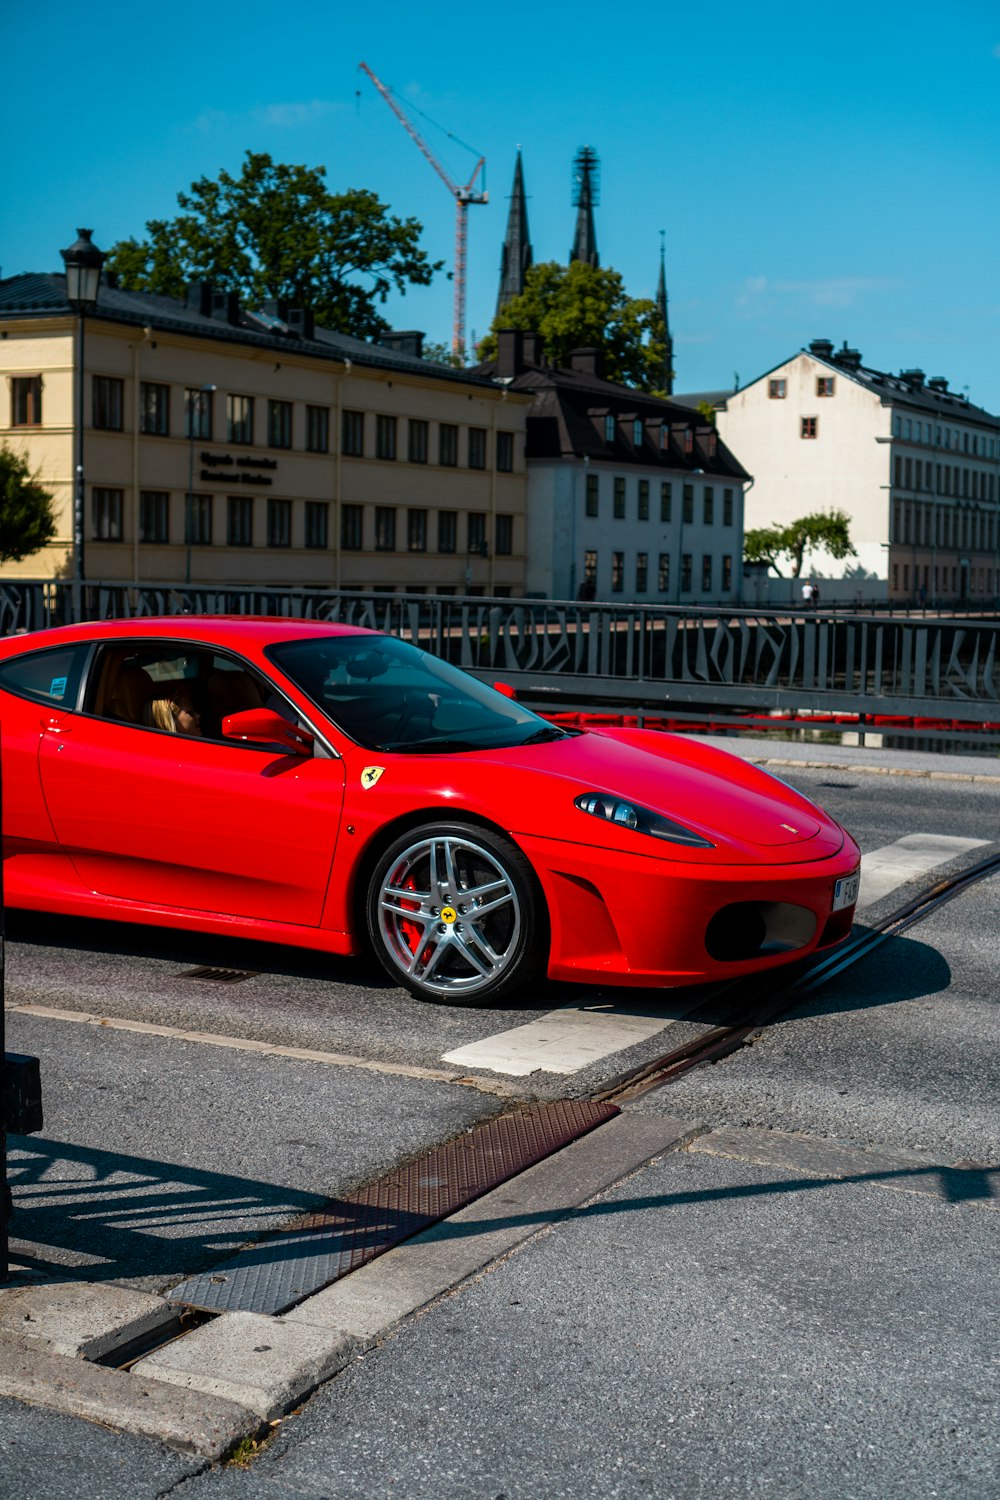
x: 161, y: 710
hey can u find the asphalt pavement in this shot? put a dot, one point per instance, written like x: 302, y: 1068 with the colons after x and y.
x: 774, y: 1278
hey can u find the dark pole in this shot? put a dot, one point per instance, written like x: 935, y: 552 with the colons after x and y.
x: 83, y: 263
x: 4, y: 1189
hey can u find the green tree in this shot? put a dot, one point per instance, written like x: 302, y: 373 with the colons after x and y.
x: 26, y: 519
x: 276, y: 232
x: 821, y: 531
x: 581, y: 306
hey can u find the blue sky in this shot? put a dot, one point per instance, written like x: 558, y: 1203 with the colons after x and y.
x: 826, y: 171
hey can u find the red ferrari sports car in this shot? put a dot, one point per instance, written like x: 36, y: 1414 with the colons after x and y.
x: 343, y: 790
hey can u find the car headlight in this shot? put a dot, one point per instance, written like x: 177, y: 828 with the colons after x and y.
x: 630, y: 815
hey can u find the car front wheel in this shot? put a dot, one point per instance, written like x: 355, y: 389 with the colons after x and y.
x: 455, y: 915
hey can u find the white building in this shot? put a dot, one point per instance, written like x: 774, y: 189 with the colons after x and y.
x: 631, y: 499
x: 915, y: 466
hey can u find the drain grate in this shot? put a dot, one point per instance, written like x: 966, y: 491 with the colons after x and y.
x: 215, y: 975
x: 274, y: 1274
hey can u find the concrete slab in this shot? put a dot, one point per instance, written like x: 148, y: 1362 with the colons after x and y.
x: 403, y: 1280
x: 906, y: 1171
x: 265, y: 1364
x: 186, y: 1420
x: 80, y: 1320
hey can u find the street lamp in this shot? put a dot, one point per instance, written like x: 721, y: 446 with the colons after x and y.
x: 194, y: 419
x: 83, y: 263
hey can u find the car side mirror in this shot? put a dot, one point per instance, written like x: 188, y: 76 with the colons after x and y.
x: 505, y: 688
x: 264, y: 727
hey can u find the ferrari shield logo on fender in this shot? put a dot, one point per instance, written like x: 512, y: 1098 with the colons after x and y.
x: 370, y: 775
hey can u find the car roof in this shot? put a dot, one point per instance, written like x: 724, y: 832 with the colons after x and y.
x: 234, y: 631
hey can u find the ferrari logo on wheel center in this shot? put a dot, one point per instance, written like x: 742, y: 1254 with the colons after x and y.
x: 449, y: 914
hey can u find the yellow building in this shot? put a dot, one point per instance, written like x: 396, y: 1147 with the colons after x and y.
x: 223, y: 446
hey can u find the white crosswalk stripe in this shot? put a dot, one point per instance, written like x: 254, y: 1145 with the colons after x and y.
x: 568, y: 1039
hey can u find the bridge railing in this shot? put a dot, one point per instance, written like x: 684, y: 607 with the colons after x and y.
x: 650, y: 655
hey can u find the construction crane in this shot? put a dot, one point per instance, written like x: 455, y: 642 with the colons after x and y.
x: 463, y: 196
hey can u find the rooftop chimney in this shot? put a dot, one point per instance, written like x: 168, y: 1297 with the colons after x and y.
x: 938, y: 383
x: 913, y: 378
x: 534, y: 349
x: 822, y: 348
x: 510, y: 353
x: 198, y: 297
x: 399, y: 340
x: 586, y: 361
x: 850, y: 359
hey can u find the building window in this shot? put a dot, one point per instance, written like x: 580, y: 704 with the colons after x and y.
x: 417, y: 441
x: 477, y: 447
x: 477, y: 533
x: 108, y: 395
x: 352, y: 433
x: 619, y: 499
x: 416, y: 530
x: 154, y: 516
x: 709, y: 505
x: 590, y: 570
x: 26, y: 401
x: 643, y: 499
x: 385, y: 437
x: 727, y: 507
x: 447, y: 445
x: 317, y: 525
x: 447, y: 530
x: 777, y: 390
x: 198, y: 520
x: 637, y: 432
x: 688, y: 441
x: 666, y: 500
x: 239, y: 419
x: 351, y: 523
x: 706, y: 573
x: 824, y: 385
x: 317, y: 429
x: 592, y: 497
x: 727, y: 573
x: 505, y: 452
x: 687, y: 504
x: 664, y: 437
x: 239, y: 521
x: 663, y: 573
x: 504, y: 534
x: 198, y: 414
x: 107, y: 515
x: 385, y: 528
x: 617, y: 572
x: 686, y: 573
x: 641, y: 572
x: 154, y: 409
x: 809, y: 427
x: 609, y: 428
x: 279, y: 523
x: 279, y: 424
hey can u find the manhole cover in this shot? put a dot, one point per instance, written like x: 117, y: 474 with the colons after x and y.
x: 212, y: 974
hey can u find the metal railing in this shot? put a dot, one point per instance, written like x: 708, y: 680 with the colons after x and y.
x: 574, y: 653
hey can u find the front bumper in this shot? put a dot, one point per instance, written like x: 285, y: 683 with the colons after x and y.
x: 626, y: 919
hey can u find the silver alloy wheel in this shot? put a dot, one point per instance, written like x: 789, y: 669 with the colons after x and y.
x: 449, y: 915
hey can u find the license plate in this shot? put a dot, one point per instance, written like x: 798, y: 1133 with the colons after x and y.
x: 845, y: 890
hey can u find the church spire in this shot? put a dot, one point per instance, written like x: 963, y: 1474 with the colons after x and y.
x: 515, y: 257
x: 586, y: 195
x: 661, y: 308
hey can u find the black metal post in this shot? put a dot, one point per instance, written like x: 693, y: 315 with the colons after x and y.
x: 4, y: 1189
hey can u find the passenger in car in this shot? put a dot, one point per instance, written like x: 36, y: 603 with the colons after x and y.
x: 176, y: 715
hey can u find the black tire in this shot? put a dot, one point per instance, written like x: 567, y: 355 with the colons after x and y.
x: 455, y: 914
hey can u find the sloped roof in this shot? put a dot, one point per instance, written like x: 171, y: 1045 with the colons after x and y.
x: 41, y: 294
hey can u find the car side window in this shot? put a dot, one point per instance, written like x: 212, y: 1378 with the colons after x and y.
x: 51, y: 677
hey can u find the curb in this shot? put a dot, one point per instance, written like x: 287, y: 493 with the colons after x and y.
x: 210, y: 1388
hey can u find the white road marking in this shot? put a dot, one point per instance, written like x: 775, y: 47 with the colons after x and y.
x: 566, y: 1040
x: 885, y: 869
x: 248, y: 1044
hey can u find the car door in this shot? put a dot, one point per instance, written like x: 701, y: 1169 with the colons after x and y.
x: 168, y: 820
x: 35, y: 685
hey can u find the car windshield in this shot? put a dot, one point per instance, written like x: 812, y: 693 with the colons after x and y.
x: 388, y: 695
